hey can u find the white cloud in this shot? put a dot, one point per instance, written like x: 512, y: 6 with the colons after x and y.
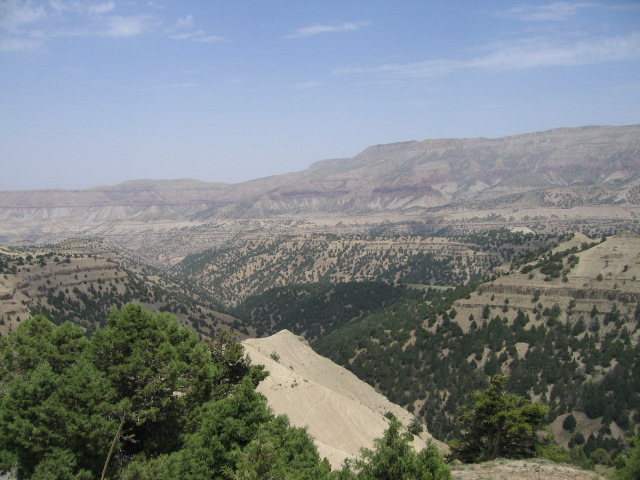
x: 19, y: 44
x: 305, y: 85
x: 198, y: 36
x: 118, y: 26
x: 553, y: 12
x: 210, y: 38
x: 319, y: 29
x: 82, y: 7
x: 101, y: 7
x: 522, y: 54
x: 29, y: 24
x: 543, y: 52
x: 185, y: 22
x: 16, y: 13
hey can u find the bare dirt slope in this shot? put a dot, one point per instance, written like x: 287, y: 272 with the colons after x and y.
x: 341, y: 412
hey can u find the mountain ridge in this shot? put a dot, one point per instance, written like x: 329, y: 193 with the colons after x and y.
x: 564, y: 175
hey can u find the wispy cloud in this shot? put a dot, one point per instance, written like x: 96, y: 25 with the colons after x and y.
x: 102, y: 7
x: 126, y: 26
x: 29, y: 24
x: 320, y: 29
x: 19, y: 44
x: 82, y: 7
x: 305, y: 85
x: 545, y: 52
x: 198, y: 36
x: 15, y: 14
x: 522, y: 54
x: 185, y: 22
x: 184, y: 30
x: 210, y: 38
x: 552, y: 12
x: 187, y: 35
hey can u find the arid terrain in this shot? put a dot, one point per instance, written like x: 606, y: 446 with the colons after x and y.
x: 569, y: 179
x: 532, y: 469
x: 81, y: 281
x: 420, y: 268
x: 342, y: 413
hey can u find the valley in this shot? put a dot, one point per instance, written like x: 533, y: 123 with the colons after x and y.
x: 424, y: 320
x: 584, y: 179
x: 422, y: 268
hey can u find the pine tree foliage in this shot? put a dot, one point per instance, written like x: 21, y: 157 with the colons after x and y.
x: 146, y: 399
x: 143, y: 398
x: 500, y: 424
x: 395, y: 459
x: 630, y: 464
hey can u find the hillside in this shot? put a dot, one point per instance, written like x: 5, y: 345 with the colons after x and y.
x: 572, y: 343
x: 253, y: 266
x: 548, y: 181
x: 605, y: 276
x: 342, y: 413
x: 561, y: 318
x: 82, y: 281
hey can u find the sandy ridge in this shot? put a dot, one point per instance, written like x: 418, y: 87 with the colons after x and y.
x: 342, y: 413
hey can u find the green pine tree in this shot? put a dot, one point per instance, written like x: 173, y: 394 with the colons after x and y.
x: 500, y: 424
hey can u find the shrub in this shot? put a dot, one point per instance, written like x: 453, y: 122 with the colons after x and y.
x: 500, y: 424
x: 569, y: 423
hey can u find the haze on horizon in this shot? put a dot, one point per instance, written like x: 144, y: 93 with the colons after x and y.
x: 103, y: 91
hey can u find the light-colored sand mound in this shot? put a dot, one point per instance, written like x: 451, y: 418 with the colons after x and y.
x: 341, y: 412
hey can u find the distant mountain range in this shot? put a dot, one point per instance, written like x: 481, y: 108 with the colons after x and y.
x: 565, y: 168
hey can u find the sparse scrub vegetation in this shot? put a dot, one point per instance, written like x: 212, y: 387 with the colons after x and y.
x: 409, y: 315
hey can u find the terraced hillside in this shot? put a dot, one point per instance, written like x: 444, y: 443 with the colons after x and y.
x: 586, y: 279
x: 83, y: 281
x: 255, y: 265
x: 565, y: 326
x: 563, y: 320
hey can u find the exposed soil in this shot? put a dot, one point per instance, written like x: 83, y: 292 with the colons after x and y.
x: 533, y: 469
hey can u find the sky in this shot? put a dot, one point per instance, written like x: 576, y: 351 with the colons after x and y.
x: 100, y: 92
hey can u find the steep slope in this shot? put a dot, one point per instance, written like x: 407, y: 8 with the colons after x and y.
x: 342, y: 413
x: 604, y: 275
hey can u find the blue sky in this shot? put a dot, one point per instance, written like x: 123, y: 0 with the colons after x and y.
x: 99, y: 92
